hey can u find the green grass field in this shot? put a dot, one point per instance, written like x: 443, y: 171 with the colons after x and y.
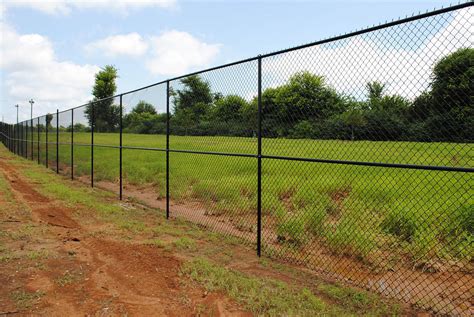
x: 355, y: 210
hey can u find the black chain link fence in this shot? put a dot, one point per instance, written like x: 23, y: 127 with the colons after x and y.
x: 352, y: 156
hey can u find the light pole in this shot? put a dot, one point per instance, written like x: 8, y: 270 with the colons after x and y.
x: 16, y: 113
x: 31, y: 101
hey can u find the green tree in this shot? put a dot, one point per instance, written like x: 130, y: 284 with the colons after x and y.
x: 49, y: 118
x: 354, y: 117
x: 144, y: 119
x: 386, y: 115
x: 226, y: 116
x: 192, y: 105
x: 106, y: 114
x: 447, y: 110
x: 307, y: 97
x: 195, y: 95
x: 375, y: 91
x: 143, y: 107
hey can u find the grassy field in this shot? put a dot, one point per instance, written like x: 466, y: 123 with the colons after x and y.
x: 354, y: 210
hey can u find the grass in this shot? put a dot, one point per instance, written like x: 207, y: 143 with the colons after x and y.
x: 24, y: 299
x: 68, y: 278
x: 185, y: 243
x: 352, y: 210
x: 262, y: 297
x: 270, y: 297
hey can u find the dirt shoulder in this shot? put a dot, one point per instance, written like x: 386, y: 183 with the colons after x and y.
x: 59, y: 267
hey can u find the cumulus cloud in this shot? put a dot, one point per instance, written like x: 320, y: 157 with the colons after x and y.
x: 175, y: 53
x: 131, y: 44
x: 30, y: 69
x: 401, y: 58
x: 61, y: 7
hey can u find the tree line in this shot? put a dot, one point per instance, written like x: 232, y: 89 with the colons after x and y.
x: 306, y: 107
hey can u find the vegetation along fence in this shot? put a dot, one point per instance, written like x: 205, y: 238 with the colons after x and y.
x: 352, y: 156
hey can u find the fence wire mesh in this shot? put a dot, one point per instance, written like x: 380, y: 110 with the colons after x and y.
x: 352, y: 156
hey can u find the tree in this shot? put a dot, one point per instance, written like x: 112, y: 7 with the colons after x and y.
x: 226, y: 116
x: 354, y: 116
x: 451, y: 107
x: 49, y: 118
x: 192, y: 105
x: 307, y: 97
x: 143, y: 107
x: 102, y: 113
x: 375, y: 91
x: 386, y: 115
x: 144, y: 119
x: 196, y: 96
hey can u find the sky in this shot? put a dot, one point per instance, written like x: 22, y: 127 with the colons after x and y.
x: 50, y: 50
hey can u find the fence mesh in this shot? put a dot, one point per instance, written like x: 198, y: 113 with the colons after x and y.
x: 351, y: 156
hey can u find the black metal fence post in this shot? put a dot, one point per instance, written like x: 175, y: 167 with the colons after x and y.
x: 92, y: 144
x: 25, y: 139
x: 38, y: 145
x: 121, y: 128
x: 32, y: 140
x: 47, y: 140
x: 259, y: 161
x: 167, y: 149
x: 72, y: 143
x: 18, y: 142
x: 57, y: 141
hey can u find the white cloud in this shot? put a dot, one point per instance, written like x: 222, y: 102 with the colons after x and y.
x: 175, y: 53
x: 131, y: 44
x: 30, y: 69
x: 401, y: 58
x: 61, y: 7
x: 2, y: 11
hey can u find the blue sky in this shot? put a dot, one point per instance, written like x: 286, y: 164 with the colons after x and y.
x: 50, y: 50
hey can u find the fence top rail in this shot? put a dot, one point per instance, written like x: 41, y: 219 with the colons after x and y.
x: 319, y: 42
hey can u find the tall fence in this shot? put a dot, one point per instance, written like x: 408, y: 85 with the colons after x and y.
x: 352, y: 156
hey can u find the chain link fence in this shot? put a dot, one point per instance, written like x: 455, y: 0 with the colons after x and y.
x: 352, y: 156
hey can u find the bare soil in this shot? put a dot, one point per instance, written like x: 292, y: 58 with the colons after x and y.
x: 91, y: 275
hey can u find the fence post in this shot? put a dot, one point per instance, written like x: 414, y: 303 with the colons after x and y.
x: 57, y: 141
x: 167, y: 149
x: 72, y: 143
x: 47, y: 140
x: 38, y: 145
x: 121, y: 128
x: 22, y: 142
x: 32, y: 140
x: 92, y: 144
x: 259, y: 160
x: 25, y: 139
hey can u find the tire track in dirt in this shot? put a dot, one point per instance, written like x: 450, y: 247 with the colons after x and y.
x: 105, y: 277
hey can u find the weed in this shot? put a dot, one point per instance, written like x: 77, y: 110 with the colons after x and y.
x: 185, y: 243
x: 24, y: 299
x: 68, y: 278
x: 260, y: 296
